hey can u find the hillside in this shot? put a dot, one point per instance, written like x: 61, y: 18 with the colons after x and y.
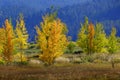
x: 72, y: 12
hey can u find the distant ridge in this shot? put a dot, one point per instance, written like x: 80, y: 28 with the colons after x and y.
x: 72, y: 12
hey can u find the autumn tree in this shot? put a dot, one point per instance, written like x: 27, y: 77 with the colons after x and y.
x: 82, y: 40
x: 91, y: 34
x: 51, y: 38
x: 100, y: 40
x: 86, y: 36
x: 112, y: 47
x: 8, y: 44
x: 21, y: 36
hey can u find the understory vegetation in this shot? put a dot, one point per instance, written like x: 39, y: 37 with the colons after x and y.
x: 83, y: 71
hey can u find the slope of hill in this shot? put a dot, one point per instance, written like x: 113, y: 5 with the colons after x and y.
x: 72, y: 12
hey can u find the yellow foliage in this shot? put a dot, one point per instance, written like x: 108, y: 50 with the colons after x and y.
x: 1, y: 39
x: 51, y: 39
x: 17, y: 57
x: 21, y: 39
x: 91, y: 34
x: 8, y: 37
x: 21, y: 34
x: 2, y: 60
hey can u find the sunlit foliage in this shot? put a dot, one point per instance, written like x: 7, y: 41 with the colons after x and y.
x: 51, y: 38
x: 8, y: 44
x: 91, y: 34
x: 113, y: 47
x: 21, y: 39
x: 1, y: 39
x: 82, y: 40
x: 100, y: 41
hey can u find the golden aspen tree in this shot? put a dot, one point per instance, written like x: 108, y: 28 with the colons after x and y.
x: 91, y: 34
x: 21, y: 36
x: 51, y: 38
x: 8, y: 41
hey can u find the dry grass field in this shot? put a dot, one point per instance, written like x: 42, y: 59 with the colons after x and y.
x: 87, y: 71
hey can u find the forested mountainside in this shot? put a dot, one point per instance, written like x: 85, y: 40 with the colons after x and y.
x: 71, y: 12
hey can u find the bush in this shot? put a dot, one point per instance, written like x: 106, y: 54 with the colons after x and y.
x: 100, y: 56
x: 71, y: 46
x: 21, y: 63
x: 17, y: 59
x: 86, y: 58
x: 117, y: 60
x: 98, y: 61
x: 114, y: 57
x: 62, y: 60
x: 2, y: 61
x: 97, y: 57
x: 77, y: 60
x: 34, y: 61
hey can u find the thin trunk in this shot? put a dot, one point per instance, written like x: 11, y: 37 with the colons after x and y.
x: 21, y: 50
x: 113, y: 64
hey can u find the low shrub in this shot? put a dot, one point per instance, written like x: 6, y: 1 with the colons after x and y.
x: 96, y: 57
x: 21, y: 63
x: 117, y: 60
x: 77, y: 60
x: 62, y: 60
x: 20, y: 60
x: 114, y: 57
x: 2, y: 61
x: 98, y: 61
x: 34, y: 61
x: 101, y: 56
x: 86, y: 58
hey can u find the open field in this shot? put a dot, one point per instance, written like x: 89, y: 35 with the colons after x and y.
x: 88, y: 71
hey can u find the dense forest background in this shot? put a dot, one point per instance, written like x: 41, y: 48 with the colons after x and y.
x: 71, y: 12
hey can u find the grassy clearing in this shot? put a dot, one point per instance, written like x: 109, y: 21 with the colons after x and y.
x: 86, y: 71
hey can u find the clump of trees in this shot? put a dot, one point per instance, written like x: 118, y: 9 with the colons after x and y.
x: 52, y: 41
x: 13, y: 39
x: 92, y: 39
x: 51, y: 38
